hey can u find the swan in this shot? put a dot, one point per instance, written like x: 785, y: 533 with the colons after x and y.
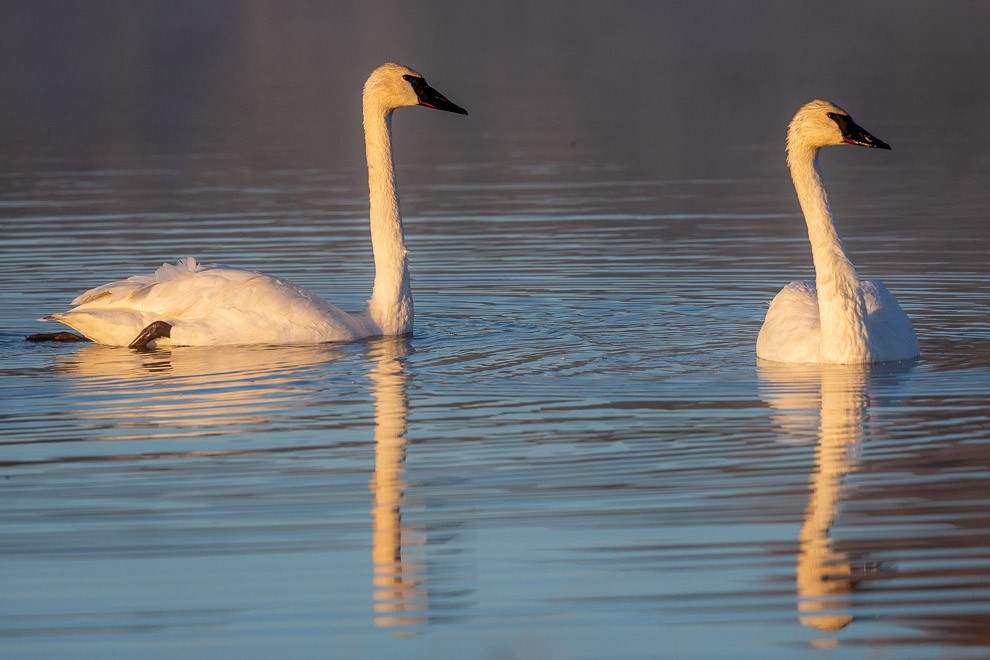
x: 194, y: 304
x: 838, y: 318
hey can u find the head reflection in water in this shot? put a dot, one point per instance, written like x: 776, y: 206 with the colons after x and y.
x: 825, y: 576
x: 399, y: 596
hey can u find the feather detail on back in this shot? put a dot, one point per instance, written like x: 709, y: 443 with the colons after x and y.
x: 133, y: 285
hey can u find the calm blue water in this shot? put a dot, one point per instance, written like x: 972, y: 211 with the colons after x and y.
x: 576, y: 455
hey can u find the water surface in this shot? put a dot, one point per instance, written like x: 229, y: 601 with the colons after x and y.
x: 577, y: 454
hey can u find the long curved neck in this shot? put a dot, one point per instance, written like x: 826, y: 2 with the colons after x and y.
x: 391, y: 305
x: 841, y: 307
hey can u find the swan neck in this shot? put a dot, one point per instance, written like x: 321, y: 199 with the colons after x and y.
x: 841, y: 307
x: 390, y: 306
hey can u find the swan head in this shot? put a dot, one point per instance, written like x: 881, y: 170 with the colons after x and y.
x: 393, y: 86
x: 822, y: 124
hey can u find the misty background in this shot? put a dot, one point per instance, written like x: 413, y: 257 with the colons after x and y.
x: 662, y: 88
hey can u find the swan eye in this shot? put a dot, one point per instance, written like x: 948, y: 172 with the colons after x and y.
x: 419, y: 86
x: 841, y: 120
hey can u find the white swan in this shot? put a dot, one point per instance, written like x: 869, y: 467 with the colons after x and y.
x: 837, y: 318
x: 193, y: 304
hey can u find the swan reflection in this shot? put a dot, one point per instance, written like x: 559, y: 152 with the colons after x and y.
x: 400, y: 598
x: 826, y: 577
x: 191, y: 391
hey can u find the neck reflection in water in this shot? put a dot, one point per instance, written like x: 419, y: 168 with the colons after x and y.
x: 825, y: 576
x: 400, y: 598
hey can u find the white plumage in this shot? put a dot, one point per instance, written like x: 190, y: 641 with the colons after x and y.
x: 211, y: 305
x: 794, y: 314
x: 192, y: 304
x: 837, y: 318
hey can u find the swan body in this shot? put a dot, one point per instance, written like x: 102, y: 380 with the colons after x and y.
x: 838, y: 318
x: 212, y: 305
x: 193, y: 304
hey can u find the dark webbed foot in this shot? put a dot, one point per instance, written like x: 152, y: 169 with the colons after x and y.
x: 56, y: 336
x: 154, y: 331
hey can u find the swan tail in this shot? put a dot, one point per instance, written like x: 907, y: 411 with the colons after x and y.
x: 105, y: 326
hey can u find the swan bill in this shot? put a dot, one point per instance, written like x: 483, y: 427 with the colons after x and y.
x: 853, y: 133
x: 430, y: 97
